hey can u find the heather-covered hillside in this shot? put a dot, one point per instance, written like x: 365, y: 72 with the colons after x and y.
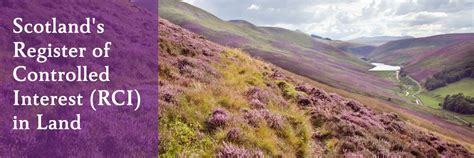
x: 378, y: 40
x: 217, y: 101
x: 358, y: 50
x: 424, y: 57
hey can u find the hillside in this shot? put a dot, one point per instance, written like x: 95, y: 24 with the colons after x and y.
x: 217, y: 101
x: 423, y: 57
x: 291, y: 50
x: 435, y: 97
x: 358, y: 50
x: 378, y: 40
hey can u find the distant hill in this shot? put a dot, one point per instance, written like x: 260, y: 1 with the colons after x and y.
x: 292, y: 50
x: 378, y: 40
x: 359, y: 50
x: 423, y: 57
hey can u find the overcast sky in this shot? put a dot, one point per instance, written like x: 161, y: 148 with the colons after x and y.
x: 347, y: 19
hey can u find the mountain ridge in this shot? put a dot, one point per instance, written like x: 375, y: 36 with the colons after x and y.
x: 378, y: 40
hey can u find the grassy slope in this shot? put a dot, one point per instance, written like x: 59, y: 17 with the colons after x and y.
x: 433, y: 98
x: 183, y: 128
x: 201, y: 99
x: 282, y: 47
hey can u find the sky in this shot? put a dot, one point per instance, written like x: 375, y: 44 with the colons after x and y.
x: 349, y: 19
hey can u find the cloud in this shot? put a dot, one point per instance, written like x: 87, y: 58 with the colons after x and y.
x: 420, y: 18
x: 345, y: 19
x: 253, y: 7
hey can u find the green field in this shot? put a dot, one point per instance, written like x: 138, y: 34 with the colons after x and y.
x: 465, y: 86
x: 430, y: 100
x: 433, y: 98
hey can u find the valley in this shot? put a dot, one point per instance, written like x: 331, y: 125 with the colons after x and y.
x: 418, y: 98
x: 421, y: 59
x: 407, y: 87
x: 316, y: 59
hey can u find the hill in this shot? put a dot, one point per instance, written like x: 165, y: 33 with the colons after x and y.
x: 217, y: 101
x: 358, y: 50
x: 435, y: 97
x: 377, y: 40
x: 424, y: 57
x: 291, y: 50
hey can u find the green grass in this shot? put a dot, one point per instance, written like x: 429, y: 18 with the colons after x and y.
x: 433, y: 98
x: 429, y: 100
x: 465, y: 86
x: 469, y: 118
x: 183, y: 130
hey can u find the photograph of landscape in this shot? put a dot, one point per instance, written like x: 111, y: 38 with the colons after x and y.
x: 316, y: 78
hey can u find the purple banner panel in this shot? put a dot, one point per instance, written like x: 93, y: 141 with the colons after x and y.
x: 78, y: 78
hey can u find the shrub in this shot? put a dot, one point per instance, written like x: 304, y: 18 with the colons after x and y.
x: 354, y: 105
x: 254, y: 117
x: 348, y: 147
x: 397, y: 146
x: 274, y: 121
x: 218, y: 118
x: 229, y: 150
x: 304, y: 100
x: 234, y: 135
x: 257, y: 94
x: 304, y: 88
x: 232, y: 151
x: 257, y: 116
x: 255, y: 103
